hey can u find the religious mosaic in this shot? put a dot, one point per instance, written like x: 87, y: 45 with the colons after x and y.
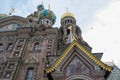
x: 76, y: 66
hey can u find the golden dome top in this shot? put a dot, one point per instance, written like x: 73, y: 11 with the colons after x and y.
x: 67, y: 14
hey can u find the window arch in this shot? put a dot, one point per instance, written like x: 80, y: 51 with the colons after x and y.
x: 68, y: 31
x: 68, y: 20
x: 10, y: 46
x: 65, y: 21
x: 29, y: 75
x: 36, y: 46
x: 1, y: 46
x: 47, y: 22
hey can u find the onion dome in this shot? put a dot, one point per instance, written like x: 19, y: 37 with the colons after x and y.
x: 40, y: 7
x: 48, y: 15
x: 67, y: 14
x: 68, y: 18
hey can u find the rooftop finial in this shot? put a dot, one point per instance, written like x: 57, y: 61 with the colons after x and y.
x: 42, y: 2
x: 48, y: 6
x: 11, y: 11
x: 67, y: 10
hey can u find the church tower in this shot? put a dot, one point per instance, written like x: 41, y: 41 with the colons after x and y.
x: 68, y: 20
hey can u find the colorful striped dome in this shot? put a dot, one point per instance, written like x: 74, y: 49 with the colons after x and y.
x: 40, y: 7
x: 47, y: 14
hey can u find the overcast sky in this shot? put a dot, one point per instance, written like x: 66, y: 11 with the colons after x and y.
x: 98, y: 19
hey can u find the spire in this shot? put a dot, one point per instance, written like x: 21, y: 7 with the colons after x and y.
x: 67, y: 10
x: 42, y: 2
x: 11, y: 11
x: 48, y: 6
x: 67, y: 13
x: 40, y: 7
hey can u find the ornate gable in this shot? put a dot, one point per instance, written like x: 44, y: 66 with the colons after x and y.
x: 76, y: 55
x: 84, y: 51
x: 76, y: 66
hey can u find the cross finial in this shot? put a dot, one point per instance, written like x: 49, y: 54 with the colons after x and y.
x: 11, y: 11
x: 48, y: 6
x: 67, y: 10
x: 42, y: 1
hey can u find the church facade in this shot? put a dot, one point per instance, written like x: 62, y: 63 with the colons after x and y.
x: 32, y: 49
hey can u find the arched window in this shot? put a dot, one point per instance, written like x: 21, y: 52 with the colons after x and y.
x: 1, y: 46
x: 47, y: 22
x: 68, y: 21
x: 65, y: 21
x: 29, y: 75
x: 10, y: 46
x: 36, y: 46
x: 68, y: 31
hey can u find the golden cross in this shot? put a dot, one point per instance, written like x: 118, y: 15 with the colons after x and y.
x: 67, y: 10
x: 42, y: 2
x: 11, y: 11
x: 48, y: 6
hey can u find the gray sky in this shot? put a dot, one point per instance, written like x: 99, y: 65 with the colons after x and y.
x: 98, y: 19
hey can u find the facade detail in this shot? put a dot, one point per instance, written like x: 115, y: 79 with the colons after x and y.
x: 32, y: 49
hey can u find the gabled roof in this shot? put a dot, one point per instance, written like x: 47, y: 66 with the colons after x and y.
x: 84, y: 50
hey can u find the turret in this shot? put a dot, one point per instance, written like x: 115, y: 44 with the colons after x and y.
x: 46, y: 17
x: 68, y: 20
x: 43, y: 17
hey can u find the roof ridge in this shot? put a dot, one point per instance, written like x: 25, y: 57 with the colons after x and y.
x: 85, y: 51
